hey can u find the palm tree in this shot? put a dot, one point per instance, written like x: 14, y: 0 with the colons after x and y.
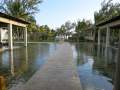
x: 20, y: 8
x: 24, y: 9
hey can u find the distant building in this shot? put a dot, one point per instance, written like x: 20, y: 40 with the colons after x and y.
x: 60, y: 37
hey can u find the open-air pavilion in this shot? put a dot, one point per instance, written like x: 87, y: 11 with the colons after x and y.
x: 10, y: 21
x: 90, y: 33
x: 108, y: 26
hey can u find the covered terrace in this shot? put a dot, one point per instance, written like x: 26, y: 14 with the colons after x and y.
x: 109, y: 31
x: 9, y: 22
x: 90, y: 33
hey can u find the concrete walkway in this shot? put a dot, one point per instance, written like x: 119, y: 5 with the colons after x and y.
x: 59, y: 73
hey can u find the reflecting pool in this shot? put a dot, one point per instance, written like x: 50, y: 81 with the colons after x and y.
x: 19, y: 65
x: 96, y: 65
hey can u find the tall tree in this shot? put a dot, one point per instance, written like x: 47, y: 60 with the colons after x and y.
x: 68, y: 27
x: 65, y: 29
x: 20, y: 8
x: 80, y: 27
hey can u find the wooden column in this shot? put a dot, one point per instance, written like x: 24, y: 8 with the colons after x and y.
x: 25, y: 37
x: 1, y: 35
x: 99, y: 36
x: 108, y: 37
x: 117, y: 71
x: 10, y: 37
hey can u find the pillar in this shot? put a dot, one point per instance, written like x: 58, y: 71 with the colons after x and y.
x: 108, y: 37
x: 1, y: 35
x: 117, y: 71
x: 94, y: 36
x: 99, y: 37
x: 10, y: 37
x: 25, y: 37
x: 12, y: 69
x: 119, y: 36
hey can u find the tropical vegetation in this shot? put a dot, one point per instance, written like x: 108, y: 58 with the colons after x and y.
x: 74, y: 31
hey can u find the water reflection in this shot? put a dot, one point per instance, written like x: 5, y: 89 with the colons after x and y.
x: 26, y: 57
x: 19, y: 65
x: 12, y: 69
x: 96, y: 66
x: 98, y: 51
x: 2, y: 83
x: 105, y: 63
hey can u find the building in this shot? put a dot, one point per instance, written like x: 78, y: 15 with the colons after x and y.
x: 9, y: 21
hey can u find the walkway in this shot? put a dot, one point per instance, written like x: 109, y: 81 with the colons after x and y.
x: 59, y: 73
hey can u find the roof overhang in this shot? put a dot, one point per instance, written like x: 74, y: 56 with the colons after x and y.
x: 12, y: 20
x: 112, y: 22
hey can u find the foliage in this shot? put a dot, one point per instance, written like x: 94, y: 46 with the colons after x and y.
x: 20, y: 8
x: 81, y: 25
x: 108, y: 10
x: 43, y: 33
x: 24, y: 9
x: 65, y: 29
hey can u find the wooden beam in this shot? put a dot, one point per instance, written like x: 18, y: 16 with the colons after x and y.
x: 4, y: 20
x: 112, y: 24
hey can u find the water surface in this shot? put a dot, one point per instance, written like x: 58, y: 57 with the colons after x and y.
x: 96, y: 65
x: 19, y: 65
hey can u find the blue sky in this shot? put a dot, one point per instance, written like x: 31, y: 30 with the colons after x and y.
x: 57, y: 12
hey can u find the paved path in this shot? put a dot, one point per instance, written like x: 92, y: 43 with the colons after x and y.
x: 59, y: 73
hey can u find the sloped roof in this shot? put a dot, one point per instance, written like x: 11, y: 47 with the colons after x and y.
x: 13, y: 18
x: 108, y: 20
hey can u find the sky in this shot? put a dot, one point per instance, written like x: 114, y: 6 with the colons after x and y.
x: 54, y: 13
